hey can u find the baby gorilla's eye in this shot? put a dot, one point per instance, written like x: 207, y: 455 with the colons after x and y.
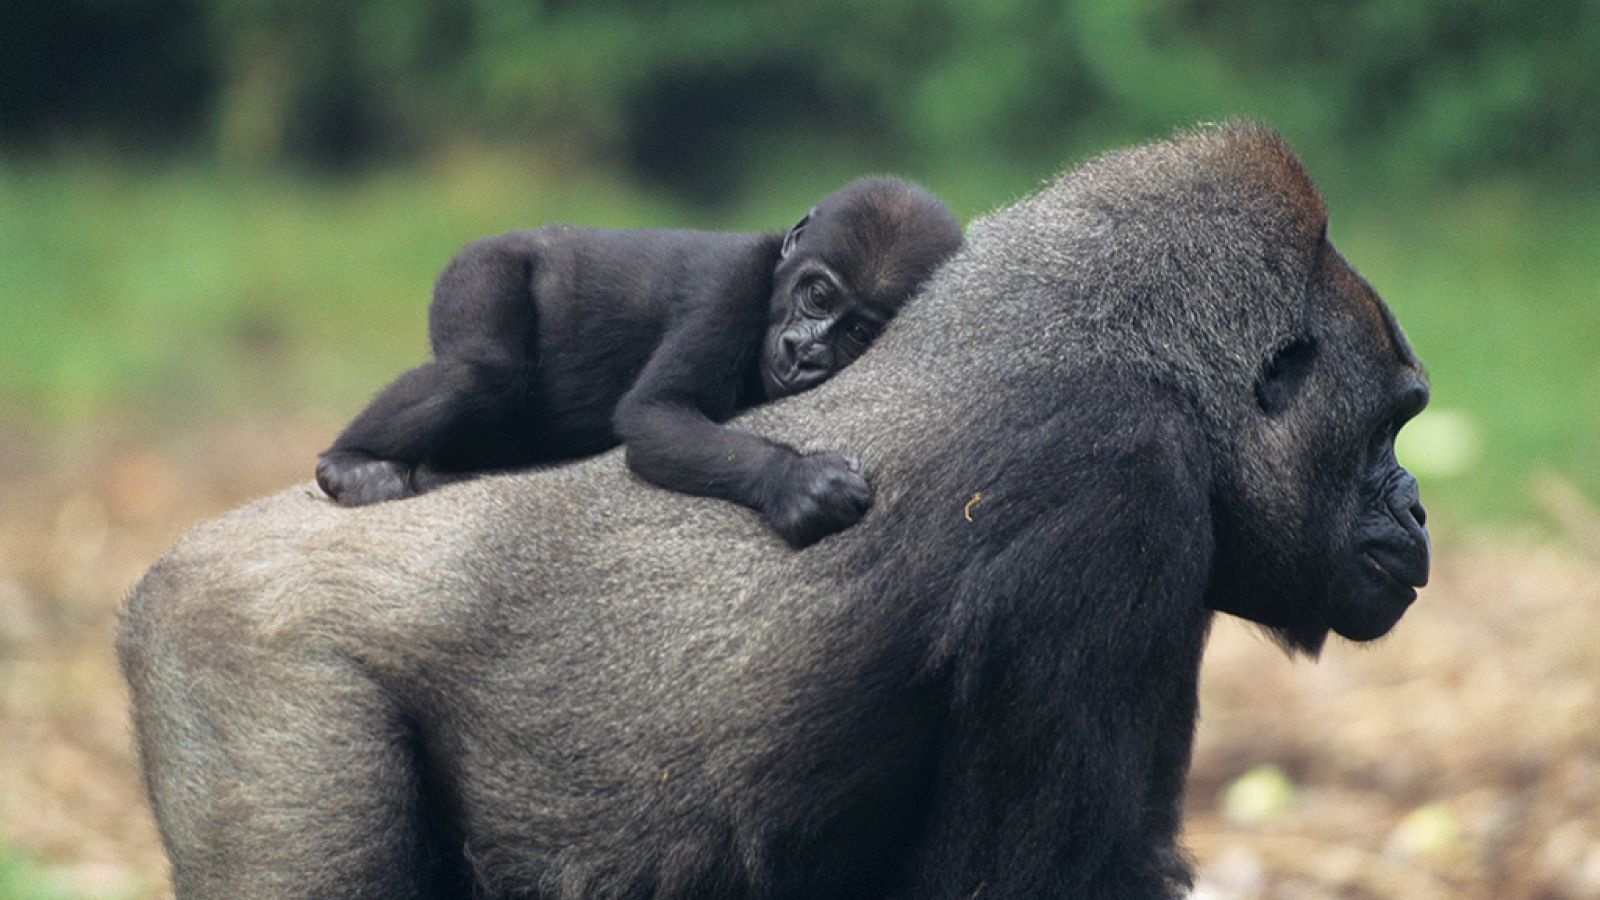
x: 861, y: 332
x: 820, y: 295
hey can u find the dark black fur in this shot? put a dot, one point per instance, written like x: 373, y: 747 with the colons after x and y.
x: 561, y: 342
x: 1150, y: 392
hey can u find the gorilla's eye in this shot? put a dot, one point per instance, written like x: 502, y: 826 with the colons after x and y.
x: 1381, y: 446
x: 820, y: 295
x: 860, y: 332
x: 1284, y: 373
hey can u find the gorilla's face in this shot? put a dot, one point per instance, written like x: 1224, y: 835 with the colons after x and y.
x: 819, y: 326
x: 1385, y: 552
x: 1319, y: 527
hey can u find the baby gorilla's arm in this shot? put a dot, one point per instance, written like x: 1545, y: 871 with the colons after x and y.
x: 669, y: 422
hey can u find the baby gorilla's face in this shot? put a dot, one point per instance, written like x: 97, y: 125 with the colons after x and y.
x: 844, y: 271
x: 819, y: 326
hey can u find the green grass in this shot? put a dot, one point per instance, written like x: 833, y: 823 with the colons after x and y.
x: 187, y: 288
x: 174, y: 293
x: 20, y: 879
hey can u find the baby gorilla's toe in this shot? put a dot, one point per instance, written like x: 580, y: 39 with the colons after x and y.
x: 356, y: 480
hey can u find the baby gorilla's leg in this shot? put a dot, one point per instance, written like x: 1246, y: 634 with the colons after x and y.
x: 428, y: 413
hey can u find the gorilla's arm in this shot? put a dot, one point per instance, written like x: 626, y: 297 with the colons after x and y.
x: 1125, y: 678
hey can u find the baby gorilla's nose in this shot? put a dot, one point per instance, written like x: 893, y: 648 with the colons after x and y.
x: 815, y: 355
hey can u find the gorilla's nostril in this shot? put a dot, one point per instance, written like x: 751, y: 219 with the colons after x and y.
x: 816, y: 356
x: 1420, y: 514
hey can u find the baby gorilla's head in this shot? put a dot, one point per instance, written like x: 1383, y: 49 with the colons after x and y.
x: 844, y: 271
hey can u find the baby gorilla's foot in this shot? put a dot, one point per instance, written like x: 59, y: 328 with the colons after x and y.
x: 355, y: 479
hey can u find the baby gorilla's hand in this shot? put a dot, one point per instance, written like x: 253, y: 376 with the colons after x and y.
x: 817, y: 495
x: 354, y: 479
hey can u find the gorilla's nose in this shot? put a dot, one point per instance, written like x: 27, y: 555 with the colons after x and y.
x: 1405, y: 504
x: 815, y: 355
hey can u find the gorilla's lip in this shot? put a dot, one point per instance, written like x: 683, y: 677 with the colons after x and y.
x: 1407, y: 583
x: 797, y: 379
x: 781, y: 381
x: 1379, y: 600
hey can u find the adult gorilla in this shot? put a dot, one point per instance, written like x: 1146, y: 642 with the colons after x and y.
x: 1149, y: 392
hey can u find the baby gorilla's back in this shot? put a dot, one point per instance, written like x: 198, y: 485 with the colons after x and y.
x: 560, y: 342
x: 536, y: 336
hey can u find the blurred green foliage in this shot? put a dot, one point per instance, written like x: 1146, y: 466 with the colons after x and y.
x: 21, y: 879
x: 211, y: 205
x: 703, y: 94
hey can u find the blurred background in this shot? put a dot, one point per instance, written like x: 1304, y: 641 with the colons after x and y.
x: 220, y: 221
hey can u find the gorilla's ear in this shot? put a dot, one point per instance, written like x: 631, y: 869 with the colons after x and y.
x: 794, y: 234
x: 1284, y: 373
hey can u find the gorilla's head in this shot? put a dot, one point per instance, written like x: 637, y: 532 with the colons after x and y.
x: 1323, y: 529
x: 1317, y: 525
x: 1207, y: 263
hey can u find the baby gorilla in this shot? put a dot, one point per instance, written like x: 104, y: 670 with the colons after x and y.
x: 562, y: 342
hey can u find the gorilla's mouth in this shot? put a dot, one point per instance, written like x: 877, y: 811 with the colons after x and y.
x: 1401, y: 571
x: 799, y: 378
x: 788, y: 375
x: 1376, y: 602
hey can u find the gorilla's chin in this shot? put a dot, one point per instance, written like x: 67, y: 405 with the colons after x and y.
x: 1370, y: 606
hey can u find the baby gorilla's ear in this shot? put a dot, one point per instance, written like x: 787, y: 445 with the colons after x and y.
x: 794, y: 234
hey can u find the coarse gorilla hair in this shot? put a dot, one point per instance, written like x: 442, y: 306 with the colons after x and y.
x: 1150, y: 392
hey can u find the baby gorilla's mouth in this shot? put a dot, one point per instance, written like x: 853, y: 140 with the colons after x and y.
x: 789, y: 373
x: 799, y: 378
